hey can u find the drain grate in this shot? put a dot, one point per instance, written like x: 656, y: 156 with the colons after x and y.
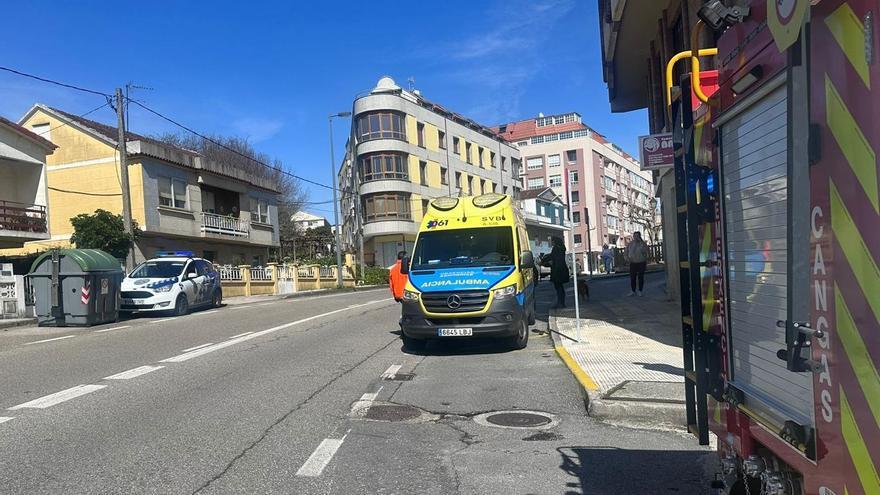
x: 519, y: 420
x: 392, y: 412
x: 400, y: 377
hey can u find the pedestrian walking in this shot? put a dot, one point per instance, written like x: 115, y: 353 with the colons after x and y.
x: 559, y: 275
x: 607, y: 258
x: 397, y: 280
x: 637, y: 256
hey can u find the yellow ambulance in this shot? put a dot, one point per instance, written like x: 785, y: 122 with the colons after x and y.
x: 471, y: 273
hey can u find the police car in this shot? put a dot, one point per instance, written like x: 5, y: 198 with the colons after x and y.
x: 173, y: 281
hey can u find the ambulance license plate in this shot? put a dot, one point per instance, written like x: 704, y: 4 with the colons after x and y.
x: 455, y: 332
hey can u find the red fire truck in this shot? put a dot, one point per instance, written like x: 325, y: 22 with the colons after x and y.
x: 779, y: 236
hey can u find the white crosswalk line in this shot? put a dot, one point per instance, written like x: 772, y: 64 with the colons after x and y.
x: 4, y: 419
x: 127, y: 375
x: 391, y: 372
x: 322, y: 456
x: 51, y: 340
x: 111, y: 329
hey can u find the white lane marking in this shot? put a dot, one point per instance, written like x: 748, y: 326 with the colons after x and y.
x: 209, y: 312
x: 263, y: 304
x: 58, y: 397
x: 240, y: 335
x: 127, y: 375
x: 232, y: 341
x: 51, y: 340
x: 233, y: 308
x: 391, y: 372
x: 4, y: 419
x: 197, y: 347
x: 362, y: 405
x: 162, y: 320
x: 111, y: 329
x: 322, y: 456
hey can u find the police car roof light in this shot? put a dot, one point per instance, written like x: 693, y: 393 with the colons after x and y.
x: 179, y: 254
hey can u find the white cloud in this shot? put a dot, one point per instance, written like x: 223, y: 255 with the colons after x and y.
x: 257, y: 129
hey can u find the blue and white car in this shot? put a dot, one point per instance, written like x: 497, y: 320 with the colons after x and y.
x: 173, y: 282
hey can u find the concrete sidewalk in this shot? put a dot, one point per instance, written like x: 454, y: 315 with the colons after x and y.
x: 628, y: 358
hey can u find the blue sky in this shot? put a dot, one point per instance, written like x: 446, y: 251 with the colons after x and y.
x: 273, y: 71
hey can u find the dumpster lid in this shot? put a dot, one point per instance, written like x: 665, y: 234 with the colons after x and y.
x: 89, y: 260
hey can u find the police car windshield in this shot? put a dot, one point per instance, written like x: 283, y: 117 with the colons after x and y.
x: 158, y: 269
x: 487, y: 246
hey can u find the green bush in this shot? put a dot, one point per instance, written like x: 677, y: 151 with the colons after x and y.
x: 375, y: 275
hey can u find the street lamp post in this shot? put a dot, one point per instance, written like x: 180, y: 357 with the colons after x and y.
x: 336, y: 232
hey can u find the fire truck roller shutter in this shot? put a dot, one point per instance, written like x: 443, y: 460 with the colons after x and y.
x: 754, y: 170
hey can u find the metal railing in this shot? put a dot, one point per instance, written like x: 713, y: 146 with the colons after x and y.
x: 23, y: 217
x: 228, y: 272
x: 261, y: 273
x: 223, y: 225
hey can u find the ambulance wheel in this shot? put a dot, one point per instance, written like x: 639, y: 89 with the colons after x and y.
x: 217, y: 299
x: 181, y: 306
x: 415, y: 345
x: 521, y: 339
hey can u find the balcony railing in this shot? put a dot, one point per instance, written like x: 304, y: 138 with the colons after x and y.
x: 223, y: 225
x: 22, y: 217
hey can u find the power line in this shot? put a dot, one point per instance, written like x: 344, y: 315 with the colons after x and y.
x: 227, y: 148
x: 82, y: 115
x: 57, y: 83
x: 82, y: 192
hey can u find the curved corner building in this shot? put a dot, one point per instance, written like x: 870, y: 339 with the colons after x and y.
x: 405, y: 151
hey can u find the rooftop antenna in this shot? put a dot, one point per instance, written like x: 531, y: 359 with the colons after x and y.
x: 129, y: 87
x: 411, y: 81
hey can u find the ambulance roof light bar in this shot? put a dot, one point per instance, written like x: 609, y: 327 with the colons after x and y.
x: 719, y: 17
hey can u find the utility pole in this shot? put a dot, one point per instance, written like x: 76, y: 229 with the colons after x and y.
x: 338, y: 234
x: 123, y: 175
x: 589, y: 246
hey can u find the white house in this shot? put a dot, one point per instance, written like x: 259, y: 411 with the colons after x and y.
x: 304, y: 221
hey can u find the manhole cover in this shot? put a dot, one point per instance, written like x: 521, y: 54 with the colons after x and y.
x: 534, y: 420
x: 392, y: 412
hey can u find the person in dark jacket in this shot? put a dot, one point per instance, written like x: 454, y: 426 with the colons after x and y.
x: 558, y: 270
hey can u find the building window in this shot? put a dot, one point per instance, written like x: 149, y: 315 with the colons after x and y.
x: 573, y: 177
x: 571, y: 156
x: 482, y: 186
x: 492, y: 159
x: 612, y: 221
x: 420, y: 131
x: 555, y: 181
x: 379, y: 166
x: 423, y: 173
x: 576, y: 218
x: 480, y: 155
x: 467, y: 153
x: 259, y: 211
x: 578, y: 239
x: 566, y: 135
x: 575, y: 197
x: 470, y: 185
x: 504, y: 163
x: 425, y: 204
x: 553, y: 161
x: 386, y: 206
x: 536, y: 183
x: 608, y: 183
x: 441, y: 138
x: 505, y: 189
x: 534, y: 163
x: 494, y: 188
x: 517, y: 166
x: 456, y: 145
x: 382, y: 125
x: 522, y: 143
x: 537, y: 140
x: 458, y: 180
x: 42, y: 130
x: 582, y: 133
x: 172, y: 192
x: 444, y: 176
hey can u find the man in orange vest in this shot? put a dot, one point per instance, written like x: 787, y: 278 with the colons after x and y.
x: 397, y: 280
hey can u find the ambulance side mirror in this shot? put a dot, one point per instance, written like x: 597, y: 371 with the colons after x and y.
x: 527, y: 261
x: 404, y: 265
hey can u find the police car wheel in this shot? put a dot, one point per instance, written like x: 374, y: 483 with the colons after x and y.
x: 181, y: 307
x: 217, y: 299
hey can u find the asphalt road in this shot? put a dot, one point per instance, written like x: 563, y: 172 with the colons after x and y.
x: 289, y: 397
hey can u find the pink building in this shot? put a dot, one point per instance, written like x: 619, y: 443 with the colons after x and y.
x: 609, y: 191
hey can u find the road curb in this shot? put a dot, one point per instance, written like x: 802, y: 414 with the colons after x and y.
x: 17, y: 322
x: 600, y: 407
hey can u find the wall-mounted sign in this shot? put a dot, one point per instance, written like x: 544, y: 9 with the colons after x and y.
x: 655, y: 151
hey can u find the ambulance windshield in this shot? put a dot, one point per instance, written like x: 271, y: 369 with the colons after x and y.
x: 488, y: 246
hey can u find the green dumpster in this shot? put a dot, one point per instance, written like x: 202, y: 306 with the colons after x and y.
x: 75, y: 287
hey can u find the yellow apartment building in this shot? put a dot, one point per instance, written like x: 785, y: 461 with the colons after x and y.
x: 180, y: 200
x: 404, y: 151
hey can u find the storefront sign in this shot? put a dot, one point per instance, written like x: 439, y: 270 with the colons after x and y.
x: 656, y: 151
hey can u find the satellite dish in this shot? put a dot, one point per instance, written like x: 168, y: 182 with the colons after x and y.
x: 386, y: 85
